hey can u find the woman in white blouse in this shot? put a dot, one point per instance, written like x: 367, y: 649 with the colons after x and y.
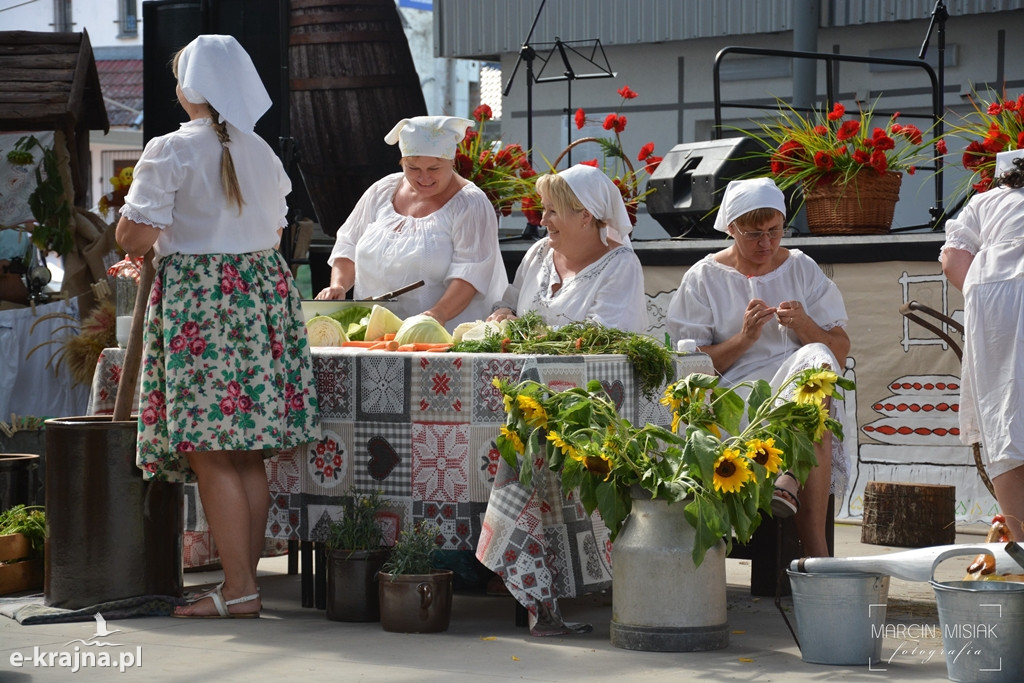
x: 764, y: 312
x: 585, y: 268
x: 426, y: 223
x: 227, y: 376
x: 984, y: 257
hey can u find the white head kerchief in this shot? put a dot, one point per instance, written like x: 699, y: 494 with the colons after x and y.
x: 743, y: 196
x: 217, y: 70
x: 1004, y: 160
x: 598, y: 195
x: 429, y: 136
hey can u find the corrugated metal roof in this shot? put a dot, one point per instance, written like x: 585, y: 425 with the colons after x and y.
x: 487, y: 28
x: 121, y: 82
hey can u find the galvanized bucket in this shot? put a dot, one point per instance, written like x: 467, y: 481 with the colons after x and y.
x: 982, y: 629
x: 839, y: 616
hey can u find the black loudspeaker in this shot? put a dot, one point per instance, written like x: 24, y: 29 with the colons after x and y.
x: 691, y: 178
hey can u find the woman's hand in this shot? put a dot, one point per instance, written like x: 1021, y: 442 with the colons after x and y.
x: 501, y: 314
x: 755, y: 317
x: 792, y: 314
x: 332, y: 292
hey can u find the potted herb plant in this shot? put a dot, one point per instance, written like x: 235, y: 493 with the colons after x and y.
x: 22, y: 539
x: 672, y: 498
x: 356, y: 551
x: 414, y: 596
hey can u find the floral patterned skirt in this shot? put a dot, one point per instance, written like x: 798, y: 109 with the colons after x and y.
x: 226, y: 363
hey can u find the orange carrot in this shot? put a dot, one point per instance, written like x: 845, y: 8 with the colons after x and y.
x: 424, y: 346
x: 377, y: 346
x: 390, y: 345
x: 358, y: 344
x: 388, y: 337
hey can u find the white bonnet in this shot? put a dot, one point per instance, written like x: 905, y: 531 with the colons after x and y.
x: 599, y: 195
x: 1004, y: 160
x: 429, y: 136
x: 743, y: 196
x: 217, y: 69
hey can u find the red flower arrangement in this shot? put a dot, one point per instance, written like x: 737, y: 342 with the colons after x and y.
x: 615, y: 163
x: 503, y: 173
x: 829, y: 148
x: 993, y: 127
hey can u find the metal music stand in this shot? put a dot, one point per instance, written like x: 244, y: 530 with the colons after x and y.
x: 587, y: 54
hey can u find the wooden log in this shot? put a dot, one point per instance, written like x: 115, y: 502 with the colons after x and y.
x: 908, y: 515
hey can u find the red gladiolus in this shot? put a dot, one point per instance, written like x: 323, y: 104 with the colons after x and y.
x: 823, y: 160
x: 620, y: 124
x: 645, y: 151
x: 626, y: 92
x: 838, y: 110
x: 895, y: 115
x: 581, y: 119
x: 821, y: 130
x: 881, y: 141
x: 789, y: 151
x: 652, y: 163
x: 941, y: 148
x: 974, y: 156
x: 1020, y: 139
x: 995, y: 109
x: 911, y: 170
x: 879, y: 161
x: 530, y: 211
x: 590, y: 162
x: 483, y: 113
x: 609, y: 122
x: 861, y: 157
x: 847, y: 130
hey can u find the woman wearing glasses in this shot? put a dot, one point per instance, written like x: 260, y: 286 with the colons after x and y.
x: 761, y: 311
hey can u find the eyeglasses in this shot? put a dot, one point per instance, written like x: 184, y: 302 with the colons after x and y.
x: 758, y: 235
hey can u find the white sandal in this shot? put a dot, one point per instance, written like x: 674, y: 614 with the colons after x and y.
x: 222, y: 607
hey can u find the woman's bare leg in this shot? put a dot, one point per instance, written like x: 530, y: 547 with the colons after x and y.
x: 811, y: 519
x: 1009, y: 488
x: 225, y: 480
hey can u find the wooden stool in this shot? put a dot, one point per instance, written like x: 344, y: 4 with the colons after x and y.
x: 908, y: 515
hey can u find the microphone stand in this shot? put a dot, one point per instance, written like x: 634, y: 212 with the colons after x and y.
x: 939, y: 16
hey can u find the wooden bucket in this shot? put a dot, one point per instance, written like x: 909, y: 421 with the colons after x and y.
x: 351, y: 79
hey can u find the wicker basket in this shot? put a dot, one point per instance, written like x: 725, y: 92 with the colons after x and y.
x: 862, y: 207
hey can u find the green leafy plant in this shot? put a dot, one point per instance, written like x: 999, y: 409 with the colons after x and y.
x: 413, y: 552
x: 48, y: 201
x: 358, y: 528
x: 723, y: 469
x: 27, y: 520
x: 652, y: 362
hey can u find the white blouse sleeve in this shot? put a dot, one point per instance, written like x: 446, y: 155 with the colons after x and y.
x: 689, y: 313
x: 157, y: 176
x: 364, y: 213
x: 964, y: 231
x: 284, y: 184
x: 476, y: 255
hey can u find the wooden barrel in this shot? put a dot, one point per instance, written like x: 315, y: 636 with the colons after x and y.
x: 351, y: 79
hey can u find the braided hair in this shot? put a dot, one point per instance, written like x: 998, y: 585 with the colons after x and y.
x: 228, y: 177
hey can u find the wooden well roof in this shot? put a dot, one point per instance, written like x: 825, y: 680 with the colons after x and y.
x: 48, y: 81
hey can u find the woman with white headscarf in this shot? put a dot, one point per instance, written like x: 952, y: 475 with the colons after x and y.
x: 425, y: 223
x: 227, y: 376
x: 761, y: 311
x: 983, y: 257
x: 585, y: 268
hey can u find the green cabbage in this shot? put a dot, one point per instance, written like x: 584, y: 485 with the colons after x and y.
x: 323, y: 330
x: 422, y: 329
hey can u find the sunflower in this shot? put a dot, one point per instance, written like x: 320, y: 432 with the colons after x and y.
x: 764, y: 453
x: 513, y: 437
x: 731, y: 471
x: 820, y: 429
x: 567, y: 448
x: 533, y: 411
x: 506, y: 398
x: 599, y: 464
x: 816, y: 387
